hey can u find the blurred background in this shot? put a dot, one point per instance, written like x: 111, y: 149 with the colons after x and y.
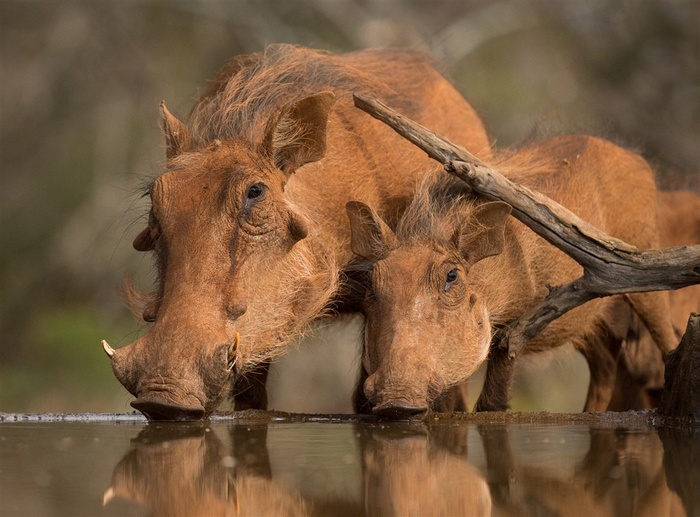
x: 80, y: 84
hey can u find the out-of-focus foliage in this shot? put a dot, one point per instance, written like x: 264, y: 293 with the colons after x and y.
x: 80, y: 84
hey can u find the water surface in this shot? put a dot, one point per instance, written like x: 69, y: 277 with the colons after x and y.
x: 342, y: 466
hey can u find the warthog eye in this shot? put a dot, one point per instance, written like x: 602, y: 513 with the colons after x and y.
x: 450, y: 278
x: 255, y: 191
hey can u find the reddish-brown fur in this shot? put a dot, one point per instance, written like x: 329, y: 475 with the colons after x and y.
x: 247, y: 221
x: 640, y: 367
x: 679, y: 224
x: 458, y: 268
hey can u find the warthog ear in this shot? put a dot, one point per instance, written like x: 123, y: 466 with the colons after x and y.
x: 370, y: 237
x: 298, y: 136
x: 481, y: 234
x: 144, y: 241
x: 177, y: 136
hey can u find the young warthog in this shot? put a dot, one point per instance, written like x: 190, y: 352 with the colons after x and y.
x: 458, y: 268
x: 247, y: 221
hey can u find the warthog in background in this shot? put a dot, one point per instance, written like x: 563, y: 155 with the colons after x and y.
x: 679, y: 224
x: 458, y: 268
x: 247, y: 221
x: 641, y: 367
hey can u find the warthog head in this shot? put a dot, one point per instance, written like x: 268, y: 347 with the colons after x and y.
x: 427, y: 329
x: 235, y: 269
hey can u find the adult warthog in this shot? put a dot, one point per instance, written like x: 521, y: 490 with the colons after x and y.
x: 458, y: 268
x: 247, y: 222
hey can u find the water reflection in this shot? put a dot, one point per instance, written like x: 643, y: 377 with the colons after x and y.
x: 406, y: 469
x: 189, y: 470
x: 421, y: 472
x: 621, y: 474
x: 682, y: 464
x: 346, y: 468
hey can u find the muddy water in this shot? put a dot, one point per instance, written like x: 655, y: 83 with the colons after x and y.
x: 275, y: 464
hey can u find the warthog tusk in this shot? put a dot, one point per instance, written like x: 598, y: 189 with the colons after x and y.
x: 109, y: 493
x: 108, y: 349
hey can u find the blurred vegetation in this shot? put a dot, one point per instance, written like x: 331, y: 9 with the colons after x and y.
x: 80, y: 86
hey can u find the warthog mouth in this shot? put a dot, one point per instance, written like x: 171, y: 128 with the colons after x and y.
x: 155, y: 409
x: 157, y: 402
x: 398, y: 409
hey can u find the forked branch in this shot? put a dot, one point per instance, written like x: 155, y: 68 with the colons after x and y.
x: 610, y: 265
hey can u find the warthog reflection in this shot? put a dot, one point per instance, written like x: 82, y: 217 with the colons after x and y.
x: 622, y: 474
x: 408, y: 468
x: 417, y: 470
x: 174, y: 470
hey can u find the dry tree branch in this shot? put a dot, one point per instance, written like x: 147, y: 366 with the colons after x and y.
x: 610, y: 265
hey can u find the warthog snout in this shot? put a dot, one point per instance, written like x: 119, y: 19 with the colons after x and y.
x: 396, y: 398
x: 174, y: 388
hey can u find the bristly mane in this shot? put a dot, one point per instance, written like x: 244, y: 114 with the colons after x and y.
x: 251, y: 88
x: 433, y: 207
x: 441, y: 199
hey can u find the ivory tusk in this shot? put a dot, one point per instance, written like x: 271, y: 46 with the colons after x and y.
x: 108, y: 349
x: 109, y: 493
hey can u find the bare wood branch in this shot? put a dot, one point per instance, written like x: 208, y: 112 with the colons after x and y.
x: 610, y: 265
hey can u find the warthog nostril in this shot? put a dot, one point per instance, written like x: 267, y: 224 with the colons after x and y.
x: 398, y: 408
x: 154, y: 410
